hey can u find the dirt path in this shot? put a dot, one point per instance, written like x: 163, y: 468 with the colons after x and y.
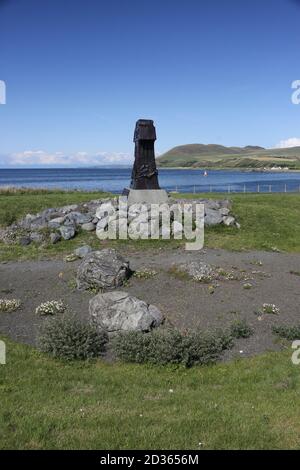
x: 185, y: 303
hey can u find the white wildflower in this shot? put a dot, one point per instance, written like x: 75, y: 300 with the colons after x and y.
x: 51, y: 307
x: 9, y: 305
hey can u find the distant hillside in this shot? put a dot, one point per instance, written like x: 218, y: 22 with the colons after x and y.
x: 219, y: 156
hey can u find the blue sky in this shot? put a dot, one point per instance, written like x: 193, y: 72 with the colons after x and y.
x: 79, y: 74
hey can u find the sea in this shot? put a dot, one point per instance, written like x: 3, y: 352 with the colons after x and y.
x: 115, y: 179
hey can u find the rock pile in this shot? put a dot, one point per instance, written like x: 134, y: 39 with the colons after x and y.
x: 55, y: 224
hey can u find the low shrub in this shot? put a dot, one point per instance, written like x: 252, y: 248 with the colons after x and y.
x: 240, y: 329
x: 200, y: 348
x: 287, y: 332
x: 9, y: 305
x: 169, y: 346
x: 67, y: 338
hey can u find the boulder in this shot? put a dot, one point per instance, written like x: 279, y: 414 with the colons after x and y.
x: 212, y: 217
x: 67, y: 232
x: 117, y: 312
x: 26, y: 222
x: 88, y: 227
x: 78, y: 218
x: 55, y: 223
x: 34, y: 222
x: 104, y: 269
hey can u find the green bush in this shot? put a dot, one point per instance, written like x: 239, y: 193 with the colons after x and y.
x: 240, y: 329
x: 169, y: 346
x: 201, y: 348
x: 287, y: 332
x: 67, y: 338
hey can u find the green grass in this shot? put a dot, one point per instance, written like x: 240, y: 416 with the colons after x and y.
x: 17, y: 203
x: 247, y: 404
x: 268, y: 222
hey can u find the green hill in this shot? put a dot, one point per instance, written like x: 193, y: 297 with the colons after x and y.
x: 219, y: 156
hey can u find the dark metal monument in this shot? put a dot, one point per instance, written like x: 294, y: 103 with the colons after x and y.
x: 144, y: 172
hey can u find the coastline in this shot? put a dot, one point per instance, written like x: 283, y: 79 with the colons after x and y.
x: 242, y: 170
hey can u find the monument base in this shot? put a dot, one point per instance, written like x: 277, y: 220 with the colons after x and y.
x: 148, y: 196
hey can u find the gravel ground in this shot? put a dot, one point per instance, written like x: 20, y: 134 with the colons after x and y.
x: 184, y: 302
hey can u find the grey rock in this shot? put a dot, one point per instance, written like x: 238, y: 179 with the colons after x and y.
x: 78, y: 218
x: 54, y: 215
x: 34, y: 222
x: 55, y: 223
x: 212, y: 217
x: 104, y: 269
x: 26, y: 222
x: 69, y: 222
x: 55, y: 237
x: 88, y: 227
x: 118, y: 311
x: 83, y: 251
x: 67, y: 232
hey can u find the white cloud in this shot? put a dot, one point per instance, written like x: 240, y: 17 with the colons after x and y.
x: 40, y: 157
x: 289, y: 143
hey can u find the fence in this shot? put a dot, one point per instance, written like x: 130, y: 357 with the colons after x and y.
x: 239, y: 188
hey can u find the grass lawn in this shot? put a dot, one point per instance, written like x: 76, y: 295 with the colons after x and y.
x: 248, y: 404
x: 17, y: 203
x: 268, y: 222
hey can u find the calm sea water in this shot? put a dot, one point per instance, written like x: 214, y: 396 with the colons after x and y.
x: 115, y: 179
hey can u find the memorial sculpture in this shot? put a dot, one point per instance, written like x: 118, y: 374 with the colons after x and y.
x: 144, y: 185
x: 144, y: 172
